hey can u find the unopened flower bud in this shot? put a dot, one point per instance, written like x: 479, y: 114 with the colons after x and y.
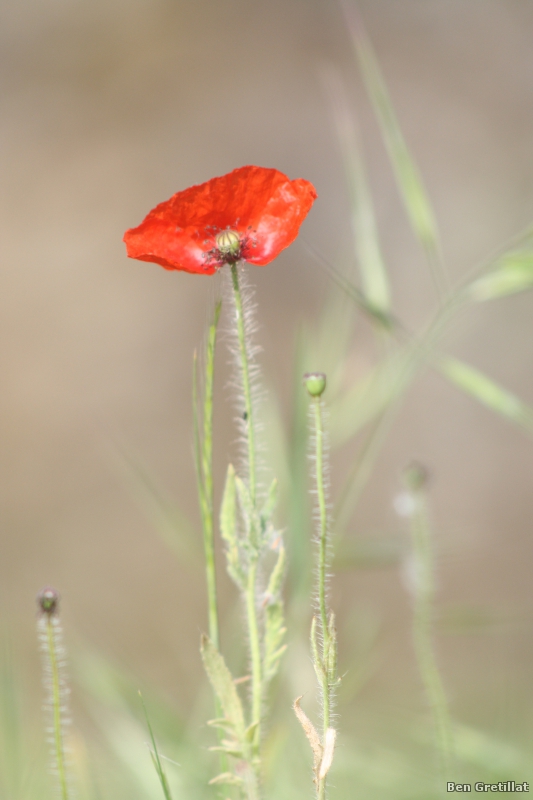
x: 228, y: 242
x: 48, y: 600
x: 315, y: 383
x: 416, y: 476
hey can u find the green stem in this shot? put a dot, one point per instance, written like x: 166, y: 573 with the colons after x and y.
x: 207, y: 472
x: 204, y: 470
x: 322, y: 568
x: 422, y: 632
x: 251, y: 588
x: 56, y: 708
x: 323, y: 530
x: 241, y: 335
x: 255, y: 651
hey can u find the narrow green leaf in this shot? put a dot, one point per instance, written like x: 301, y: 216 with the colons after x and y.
x: 226, y: 778
x: 512, y: 273
x: 369, y: 396
x: 414, y: 196
x: 376, y: 287
x: 276, y: 576
x: 270, y: 503
x: 223, y: 724
x: 229, y: 749
x: 249, y: 733
x: 487, y: 392
x: 174, y: 528
x: 155, y: 756
x: 274, y: 620
x: 228, y: 529
x: 223, y: 686
x: 247, y: 510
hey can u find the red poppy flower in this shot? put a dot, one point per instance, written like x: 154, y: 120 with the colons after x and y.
x: 251, y: 214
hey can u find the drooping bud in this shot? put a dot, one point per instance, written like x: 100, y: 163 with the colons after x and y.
x: 315, y: 383
x: 48, y: 600
x: 228, y: 243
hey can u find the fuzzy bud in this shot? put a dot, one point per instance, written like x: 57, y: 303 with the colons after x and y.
x: 315, y: 383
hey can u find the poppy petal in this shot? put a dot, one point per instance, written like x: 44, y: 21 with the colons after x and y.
x: 261, y: 204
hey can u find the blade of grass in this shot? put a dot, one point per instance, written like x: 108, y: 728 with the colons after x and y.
x: 374, y: 277
x: 175, y: 530
x: 155, y: 756
x: 487, y: 392
x: 204, y: 469
x: 512, y: 273
x: 413, y: 193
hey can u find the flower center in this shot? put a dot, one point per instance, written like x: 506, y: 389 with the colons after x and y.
x: 228, y: 243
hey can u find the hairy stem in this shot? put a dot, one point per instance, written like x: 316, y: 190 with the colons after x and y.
x: 327, y: 657
x: 56, y: 706
x: 245, y: 369
x: 251, y: 587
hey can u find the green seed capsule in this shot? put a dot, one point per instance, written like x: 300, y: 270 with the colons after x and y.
x: 315, y: 383
x: 228, y: 242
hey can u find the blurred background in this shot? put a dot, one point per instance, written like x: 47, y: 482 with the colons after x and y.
x: 109, y: 108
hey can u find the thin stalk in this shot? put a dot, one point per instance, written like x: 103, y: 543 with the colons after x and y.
x: 323, y: 530
x: 241, y: 335
x: 59, y: 750
x: 204, y: 470
x: 424, y: 590
x: 251, y: 588
x: 204, y: 458
x: 255, y: 650
x: 323, y: 670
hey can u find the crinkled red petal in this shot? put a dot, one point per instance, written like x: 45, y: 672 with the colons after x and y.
x: 262, y: 204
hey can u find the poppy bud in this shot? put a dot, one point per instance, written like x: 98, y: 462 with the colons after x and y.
x: 315, y: 383
x: 228, y: 242
x: 47, y: 600
x: 416, y: 476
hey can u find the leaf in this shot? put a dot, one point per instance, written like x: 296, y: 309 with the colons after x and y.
x: 269, y: 506
x: 223, y: 686
x: 170, y: 522
x: 311, y: 733
x: 226, y: 778
x: 246, y: 505
x: 327, y: 758
x: 512, y: 273
x: 275, y: 629
x: 228, y: 529
x: 331, y: 660
x: 487, y: 392
x: 415, y: 199
x: 376, y: 287
x: 249, y: 733
x: 369, y: 396
x: 155, y: 756
x: 318, y: 662
x: 223, y: 724
x: 230, y: 748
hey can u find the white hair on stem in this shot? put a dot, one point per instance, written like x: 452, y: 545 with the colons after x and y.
x: 56, y: 707
x: 236, y: 384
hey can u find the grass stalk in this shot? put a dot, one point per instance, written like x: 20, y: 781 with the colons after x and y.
x: 423, y: 597
x: 204, y: 468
